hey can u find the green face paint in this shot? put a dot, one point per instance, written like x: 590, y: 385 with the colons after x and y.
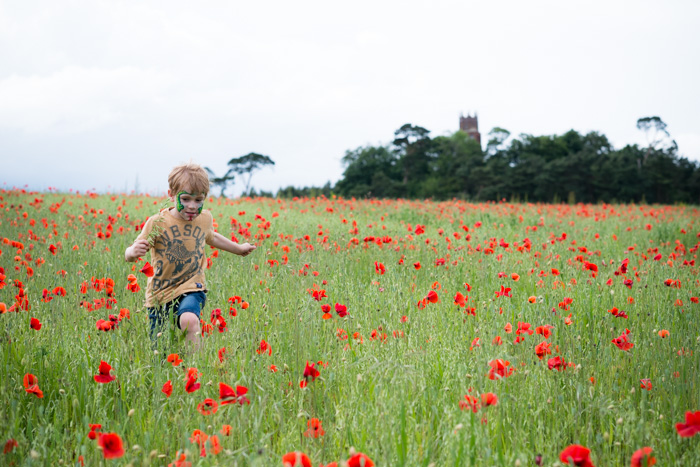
x: 181, y: 207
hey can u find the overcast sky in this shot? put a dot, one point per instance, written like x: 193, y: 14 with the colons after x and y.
x: 109, y: 95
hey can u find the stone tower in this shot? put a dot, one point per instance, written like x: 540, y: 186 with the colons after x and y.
x: 470, y: 125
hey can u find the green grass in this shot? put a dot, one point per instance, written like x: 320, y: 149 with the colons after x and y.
x: 394, y: 399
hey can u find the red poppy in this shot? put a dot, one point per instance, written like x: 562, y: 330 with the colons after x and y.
x: 379, y: 268
x: 208, y: 406
x: 691, y: 425
x: 556, y: 363
x: 222, y: 354
x: 643, y: 458
x: 432, y: 297
x: 576, y: 455
x: 167, y: 388
x: 199, y: 437
x: 309, y: 372
x: 360, y: 460
x: 504, y: 292
x: 31, y: 385
x: 181, y: 461
x: 499, y: 369
x: 264, y: 348
x: 416, y: 265
x: 314, y: 428
x: 228, y: 395
x: 621, y: 342
x: 225, y: 430
x: 9, y: 445
x: 174, y: 359
x: 215, y: 444
x: 111, y: 445
x: 105, y: 375
x: 318, y: 295
x: 94, y: 430
x: 475, y: 343
x: 191, y: 384
x: 543, y: 349
x: 342, y: 310
x: 617, y: 313
x: 469, y: 403
x: 35, y: 324
x: 545, y: 330
x: 489, y: 398
x: 296, y: 459
x: 566, y: 303
x: 147, y: 269
x: 524, y: 328
x: 663, y: 333
x: 461, y: 299
x: 326, y: 309
x: 132, y: 283
x: 645, y: 384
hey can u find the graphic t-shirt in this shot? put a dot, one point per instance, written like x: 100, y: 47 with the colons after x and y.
x: 177, y: 255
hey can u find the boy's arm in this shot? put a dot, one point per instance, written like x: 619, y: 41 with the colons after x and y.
x: 137, y: 250
x: 223, y: 243
x: 141, y: 245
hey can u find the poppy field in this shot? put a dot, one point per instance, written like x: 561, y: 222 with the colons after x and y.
x: 359, y: 333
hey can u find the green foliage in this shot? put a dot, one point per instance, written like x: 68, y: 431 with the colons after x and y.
x: 246, y: 165
x: 535, y: 168
x: 221, y: 182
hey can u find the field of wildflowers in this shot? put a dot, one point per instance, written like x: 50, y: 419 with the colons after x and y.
x: 359, y: 333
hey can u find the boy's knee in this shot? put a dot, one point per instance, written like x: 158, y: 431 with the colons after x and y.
x: 189, y: 322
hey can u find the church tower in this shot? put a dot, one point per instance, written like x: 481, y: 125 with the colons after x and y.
x: 470, y: 125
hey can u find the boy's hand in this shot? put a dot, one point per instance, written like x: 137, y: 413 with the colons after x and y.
x: 137, y: 250
x: 246, y: 249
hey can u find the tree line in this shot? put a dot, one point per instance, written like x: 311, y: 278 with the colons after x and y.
x: 571, y: 167
x: 560, y: 168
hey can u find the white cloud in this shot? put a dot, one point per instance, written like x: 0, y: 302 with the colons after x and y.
x: 164, y: 81
x: 75, y: 100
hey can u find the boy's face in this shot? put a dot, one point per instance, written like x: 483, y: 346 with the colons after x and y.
x: 188, y: 205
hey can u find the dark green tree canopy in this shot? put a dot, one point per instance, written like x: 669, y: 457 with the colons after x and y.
x: 246, y: 165
x: 221, y: 182
x: 571, y: 167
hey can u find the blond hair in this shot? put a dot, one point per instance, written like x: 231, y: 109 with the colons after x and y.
x: 188, y: 177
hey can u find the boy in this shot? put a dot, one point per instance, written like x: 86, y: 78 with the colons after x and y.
x: 176, y: 238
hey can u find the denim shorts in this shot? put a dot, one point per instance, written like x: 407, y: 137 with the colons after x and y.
x: 190, y: 302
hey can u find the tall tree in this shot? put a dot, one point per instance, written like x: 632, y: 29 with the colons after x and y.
x: 246, y: 165
x: 497, y: 138
x: 369, y: 171
x: 221, y: 182
x: 657, y: 136
x: 453, y: 160
x: 412, y: 144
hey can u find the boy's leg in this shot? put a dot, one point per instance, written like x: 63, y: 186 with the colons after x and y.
x: 188, y: 316
x: 157, y: 317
